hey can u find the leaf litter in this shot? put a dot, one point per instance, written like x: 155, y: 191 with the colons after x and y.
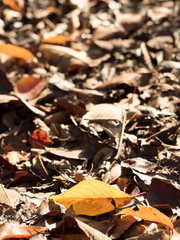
x: 89, y: 106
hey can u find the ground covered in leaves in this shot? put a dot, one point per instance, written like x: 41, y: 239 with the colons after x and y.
x: 92, y: 93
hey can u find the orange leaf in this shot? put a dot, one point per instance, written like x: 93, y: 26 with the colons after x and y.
x: 16, y: 51
x: 92, y: 197
x: 57, y: 39
x: 29, y: 87
x: 12, y: 4
x: 38, y: 139
x: 13, y: 230
x: 149, y: 214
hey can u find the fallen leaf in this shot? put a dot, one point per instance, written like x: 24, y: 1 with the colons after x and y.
x: 83, y: 148
x: 92, y: 197
x: 29, y: 87
x: 7, y: 165
x: 131, y: 79
x: 38, y: 139
x: 14, y: 230
x: 104, y: 111
x: 16, y: 51
x: 122, y: 225
x: 57, y: 39
x: 13, y: 4
x: 9, y: 196
x: 149, y: 214
x: 29, y: 106
x: 70, y: 107
x: 169, y: 194
x: 25, y: 177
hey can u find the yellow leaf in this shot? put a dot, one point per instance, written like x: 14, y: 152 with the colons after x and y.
x: 92, y: 197
x: 149, y: 214
x: 16, y: 51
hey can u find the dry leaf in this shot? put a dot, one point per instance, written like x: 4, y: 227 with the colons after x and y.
x: 13, y: 4
x: 122, y: 225
x: 149, y: 214
x: 29, y: 87
x: 50, y: 51
x: 14, y: 230
x: 57, y: 39
x: 104, y: 112
x: 16, y: 51
x: 38, y: 139
x: 92, y: 197
x: 131, y: 79
x: 8, y: 196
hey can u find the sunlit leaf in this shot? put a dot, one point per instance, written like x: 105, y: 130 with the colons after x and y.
x: 57, y: 39
x: 16, y: 51
x: 13, y: 230
x: 149, y: 214
x: 92, y: 197
x: 29, y: 87
x: 13, y: 4
x: 38, y: 139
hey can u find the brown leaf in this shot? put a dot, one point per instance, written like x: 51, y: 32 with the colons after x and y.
x: 70, y: 107
x: 131, y: 79
x: 13, y: 4
x: 161, y: 192
x: 52, y: 51
x: 122, y: 225
x: 84, y: 148
x: 29, y: 87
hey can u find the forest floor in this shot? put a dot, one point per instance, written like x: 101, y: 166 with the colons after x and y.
x: 90, y: 90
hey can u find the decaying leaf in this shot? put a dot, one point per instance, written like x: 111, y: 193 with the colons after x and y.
x: 38, y: 139
x: 92, y: 197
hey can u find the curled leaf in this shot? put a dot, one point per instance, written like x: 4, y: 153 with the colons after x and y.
x: 38, y: 139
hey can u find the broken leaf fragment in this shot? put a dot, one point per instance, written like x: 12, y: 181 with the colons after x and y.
x: 92, y: 197
x: 149, y: 214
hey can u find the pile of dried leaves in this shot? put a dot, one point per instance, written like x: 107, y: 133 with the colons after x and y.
x: 89, y: 90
